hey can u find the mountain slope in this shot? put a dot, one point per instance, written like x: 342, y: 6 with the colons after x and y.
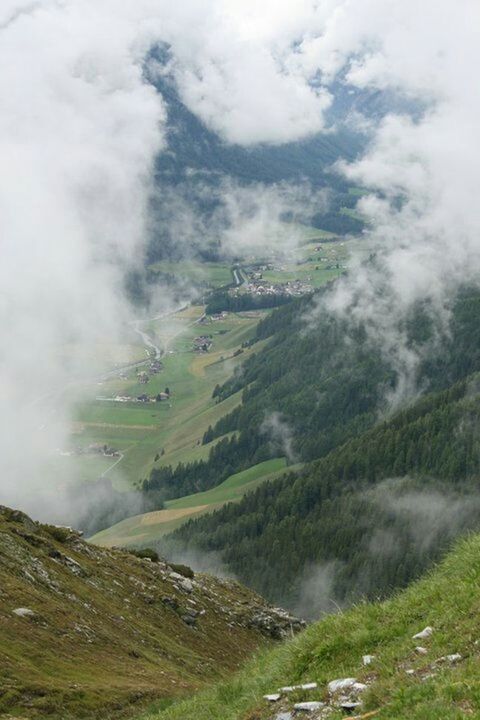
x: 367, y: 517
x: 87, y: 632
x: 318, y: 382
x: 402, y: 683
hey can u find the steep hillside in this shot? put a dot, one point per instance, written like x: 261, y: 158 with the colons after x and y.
x: 369, y: 516
x: 434, y: 677
x: 317, y: 383
x: 93, y: 633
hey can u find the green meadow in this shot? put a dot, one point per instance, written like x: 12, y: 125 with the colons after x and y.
x: 144, y: 529
x: 170, y: 430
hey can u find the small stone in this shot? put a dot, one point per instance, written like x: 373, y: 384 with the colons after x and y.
x: 410, y: 671
x: 456, y: 657
x: 344, y: 684
x: 423, y: 634
x: 288, y: 688
x: 421, y: 650
x: 359, y: 687
x: 309, y: 706
x: 273, y: 697
x: 284, y: 716
x: 188, y: 619
x: 308, y: 686
x: 187, y: 585
x: 175, y: 576
x: 368, y: 659
x: 23, y: 612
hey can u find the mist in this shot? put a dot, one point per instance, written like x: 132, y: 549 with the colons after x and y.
x: 415, y: 519
x: 82, y: 126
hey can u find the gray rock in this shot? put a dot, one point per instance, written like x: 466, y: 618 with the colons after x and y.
x: 423, y: 634
x: 305, y: 686
x: 186, y: 584
x: 23, y: 612
x: 456, y: 657
x: 170, y: 602
x: 175, y: 576
x: 309, y: 706
x: 421, y: 650
x: 273, y: 697
x: 368, y: 659
x: 359, y: 687
x: 343, y: 684
x: 349, y: 706
x: 284, y: 716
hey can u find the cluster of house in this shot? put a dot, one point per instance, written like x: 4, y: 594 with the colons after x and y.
x: 96, y: 449
x: 214, y: 317
x: 293, y: 288
x: 155, y: 367
x: 143, y: 398
x: 202, y: 343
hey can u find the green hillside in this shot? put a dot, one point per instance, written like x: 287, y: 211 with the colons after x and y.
x: 374, y: 513
x: 147, y: 528
x: 92, y: 633
x: 402, y: 682
x: 327, y: 381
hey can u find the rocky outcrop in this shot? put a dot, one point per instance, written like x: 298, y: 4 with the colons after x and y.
x: 98, y: 623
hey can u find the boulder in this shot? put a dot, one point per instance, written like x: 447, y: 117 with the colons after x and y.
x: 186, y: 585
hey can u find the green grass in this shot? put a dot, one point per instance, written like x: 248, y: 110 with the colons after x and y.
x: 148, y: 528
x: 448, y: 599
x: 102, y: 643
x: 142, y: 431
x: 233, y: 487
x: 213, y: 274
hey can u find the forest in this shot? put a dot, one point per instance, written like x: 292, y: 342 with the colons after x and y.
x: 327, y: 382
x: 385, y: 494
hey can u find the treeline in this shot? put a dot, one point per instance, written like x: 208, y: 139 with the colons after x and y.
x: 228, y: 456
x: 221, y: 301
x: 327, y: 383
x: 345, y: 516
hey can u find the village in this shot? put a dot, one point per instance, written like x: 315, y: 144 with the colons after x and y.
x: 259, y: 287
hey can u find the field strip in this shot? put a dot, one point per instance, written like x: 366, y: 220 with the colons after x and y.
x: 161, y: 516
x: 78, y: 427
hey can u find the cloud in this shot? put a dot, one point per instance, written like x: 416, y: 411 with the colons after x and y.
x: 81, y: 127
x: 280, y: 434
x: 421, y: 171
x: 79, y: 130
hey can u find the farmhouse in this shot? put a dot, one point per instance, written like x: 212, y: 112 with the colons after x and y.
x: 202, y: 343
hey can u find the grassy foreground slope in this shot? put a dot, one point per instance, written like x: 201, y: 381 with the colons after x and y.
x: 94, y: 633
x: 402, y: 684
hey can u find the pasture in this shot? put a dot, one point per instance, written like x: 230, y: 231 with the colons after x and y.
x: 147, y: 528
